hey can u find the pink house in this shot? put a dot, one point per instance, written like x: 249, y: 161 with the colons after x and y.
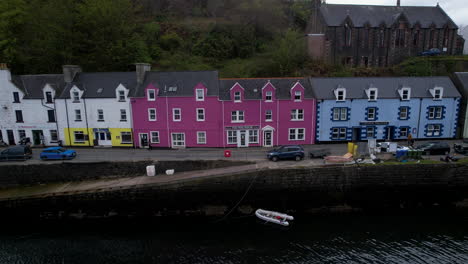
x: 267, y: 112
x: 177, y: 109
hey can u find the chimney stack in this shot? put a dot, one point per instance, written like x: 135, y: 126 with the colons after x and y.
x: 398, y: 3
x: 69, y: 72
x: 141, y: 69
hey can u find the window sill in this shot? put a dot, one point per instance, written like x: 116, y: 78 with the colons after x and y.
x: 49, y: 102
x: 126, y: 142
x: 78, y: 120
x: 79, y: 142
x: 176, y: 120
x: 295, y: 120
x: 123, y: 120
x: 201, y: 120
x: 268, y: 120
x: 297, y: 101
x: 100, y: 120
x: 151, y: 120
x: 19, y: 121
x: 122, y: 101
x: 151, y: 100
x: 51, y: 121
x: 16, y: 102
x: 237, y: 121
x: 268, y: 101
x: 75, y: 101
x: 203, y: 143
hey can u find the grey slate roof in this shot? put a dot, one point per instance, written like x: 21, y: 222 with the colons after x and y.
x: 387, y: 86
x: 282, y: 85
x: 91, y: 83
x: 335, y: 14
x: 462, y: 80
x: 185, y: 81
x: 32, y: 85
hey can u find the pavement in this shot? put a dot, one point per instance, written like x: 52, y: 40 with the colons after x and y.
x: 256, y: 154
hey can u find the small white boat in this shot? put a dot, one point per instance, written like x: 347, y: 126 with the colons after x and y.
x: 274, y: 217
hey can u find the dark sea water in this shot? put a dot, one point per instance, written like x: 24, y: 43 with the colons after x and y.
x: 428, y: 238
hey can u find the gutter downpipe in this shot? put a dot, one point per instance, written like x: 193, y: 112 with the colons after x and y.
x: 68, y: 122
x: 419, y: 116
x: 86, y: 116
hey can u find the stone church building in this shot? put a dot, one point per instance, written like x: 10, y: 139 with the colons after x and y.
x: 379, y: 36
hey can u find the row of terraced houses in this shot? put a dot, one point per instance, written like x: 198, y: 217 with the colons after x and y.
x: 198, y: 109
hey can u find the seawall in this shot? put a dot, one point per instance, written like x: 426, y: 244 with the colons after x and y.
x: 297, y: 189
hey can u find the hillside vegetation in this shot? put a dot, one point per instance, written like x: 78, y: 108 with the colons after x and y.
x: 240, y: 38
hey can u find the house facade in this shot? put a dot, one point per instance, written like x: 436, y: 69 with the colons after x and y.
x: 177, y: 109
x: 28, y: 107
x: 461, y: 81
x: 267, y: 112
x: 379, y: 36
x: 389, y: 108
x: 94, y: 108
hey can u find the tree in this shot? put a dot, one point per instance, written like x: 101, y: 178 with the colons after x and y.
x: 287, y: 54
x: 12, y: 19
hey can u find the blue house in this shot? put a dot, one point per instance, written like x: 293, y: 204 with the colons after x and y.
x: 385, y: 108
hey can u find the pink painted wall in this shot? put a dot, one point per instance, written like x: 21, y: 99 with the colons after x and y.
x: 189, y: 125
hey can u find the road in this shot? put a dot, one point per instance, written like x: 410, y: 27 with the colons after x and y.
x: 130, y: 154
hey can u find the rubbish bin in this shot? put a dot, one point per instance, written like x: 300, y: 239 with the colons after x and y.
x: 401, y: 153
x: 227, y: 153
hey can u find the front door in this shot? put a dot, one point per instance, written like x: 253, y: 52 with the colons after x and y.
x: 103, y: 138
x: 38, y: 137
x: 390, y: 131
x: 356, y: 134
x: 242, y: 139
x: 267, y: 138
x: 11, y: 137
x: 143, y: 140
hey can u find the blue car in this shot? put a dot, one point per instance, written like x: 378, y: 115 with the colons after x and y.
x: 286, y: 152
x: 57, y: 153
x: 431, y: 52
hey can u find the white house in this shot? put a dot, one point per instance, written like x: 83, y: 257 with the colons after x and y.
x: 94, y: 108
x: 27, y: 107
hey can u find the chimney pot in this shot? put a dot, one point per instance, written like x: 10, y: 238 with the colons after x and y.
x: 69, y: 72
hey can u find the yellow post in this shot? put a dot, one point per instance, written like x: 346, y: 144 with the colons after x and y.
x: 355, y: 150
x: 350, y: 147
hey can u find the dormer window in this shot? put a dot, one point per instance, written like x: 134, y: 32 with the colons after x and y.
x: 372, y: 94
x: 200, y: 95
x: 269, y: 96
x: 297, y: 96
x: 437, y: 93
x: 16, y: 98
x: 237, y: 96
x: 48, y: 96
x: 76, y: 96
x: 121, y: 96
x: 340, y: 94
x: 151, y: 95
x: 405, y: 94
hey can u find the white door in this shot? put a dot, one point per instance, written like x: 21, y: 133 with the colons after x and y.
x: 178, y: 140
x: 104, y: 138
x: 243, y: 139
x: 268, y: 138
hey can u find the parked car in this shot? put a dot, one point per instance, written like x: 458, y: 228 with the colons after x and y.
x: 286, y: 152
x: 434, y: 148
x: 431, y: 52
x: 16, y: 153
x: 57, y: 153
x: 319, y: 153
x: 461, y: 148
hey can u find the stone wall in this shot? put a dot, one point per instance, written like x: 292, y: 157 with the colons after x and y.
x: 29, y: 174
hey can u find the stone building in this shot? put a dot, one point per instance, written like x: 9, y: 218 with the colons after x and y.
x: 379, y: 36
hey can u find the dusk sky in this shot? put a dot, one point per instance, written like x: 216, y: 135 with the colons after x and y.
x: 456, y: 9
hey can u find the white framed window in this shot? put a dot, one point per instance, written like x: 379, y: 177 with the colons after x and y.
x: 154, y: 137
x: 404, y: 113
x: 121, y: 96
x: 151, y: 94
x: 269, y: 96
x: 22, y: 133
x: 405, y: 94
x: 370, y: 132
x: 126, y: 137
x: 435, y: 112
x: 200, y: 94
x: 253, y: 136
x: 176, y: 114
x: 201, y: 137
x: 339, y: 133
x: 237, y: 96
x: 297, y: 96
x: 232, y: 137
x: 151, y: 114
x: 433, y: 130
x: 404, y: 131
x: 371, y: 113
x: 100, y: 114
x: 296, y: 134
x: 76, y: 96
x: 53, y: 135
x: 79, y: 136
x: 268, y: 116
x: 178, y: 140
x: 340, y: 94
x: 437, y: 93
x: 123, y: 115
x: 48, y: 97
x: 237, y: 116
x: 77, y: 115
x: 297, y: 114
x: 372, y: 94
x: 200, y: 114
x: 340, y: 114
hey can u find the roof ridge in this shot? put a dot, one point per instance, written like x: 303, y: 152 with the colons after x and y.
x: 266, y: 78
